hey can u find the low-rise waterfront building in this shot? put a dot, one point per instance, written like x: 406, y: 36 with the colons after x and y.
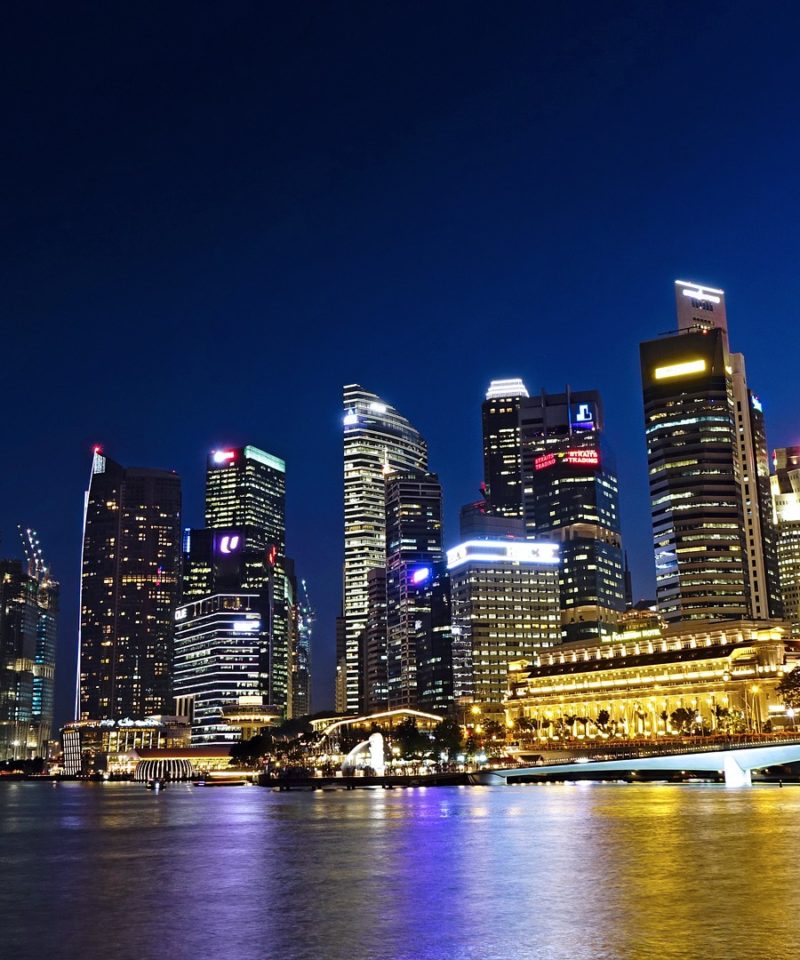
x: 715, y: 677
x: 87, y: 744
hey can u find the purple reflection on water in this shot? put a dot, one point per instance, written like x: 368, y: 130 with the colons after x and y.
x: 576, y: 872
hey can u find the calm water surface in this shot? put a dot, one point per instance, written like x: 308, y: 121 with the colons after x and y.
x: 558, y: 871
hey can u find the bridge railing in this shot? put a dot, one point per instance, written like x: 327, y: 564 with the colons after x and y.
x: 639, y: 749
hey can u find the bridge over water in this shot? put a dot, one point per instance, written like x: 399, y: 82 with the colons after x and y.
x: 735, y: 761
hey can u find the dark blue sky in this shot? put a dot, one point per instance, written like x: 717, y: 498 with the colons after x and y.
x: 214, y: 215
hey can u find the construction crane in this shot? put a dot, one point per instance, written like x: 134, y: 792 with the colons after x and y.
x: 33, y: 553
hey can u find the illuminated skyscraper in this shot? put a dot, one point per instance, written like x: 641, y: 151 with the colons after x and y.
x: 375, y: 646
x: 413, y: 551
x: 377, y: 442
x: 302, y: 658
x: 246, y: 487
x: 502, y: 463
x: 241, y: 551
x: 129, y: 591
x: 505, y: 606
x: 712, y: 523
x: 28, y: 613
x: 218, y: 661
x: 44, y: 663
x: 571, y: 495
x: 786, y: 502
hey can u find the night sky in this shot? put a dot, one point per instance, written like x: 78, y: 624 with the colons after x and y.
x: 214, y: 215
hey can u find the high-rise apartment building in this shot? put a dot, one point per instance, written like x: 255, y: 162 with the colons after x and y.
x: 129, y: 591
x: 28, y: 623
x: 502, y: 454
x: 505, y: 606
x: 713, y: 531
x: 413, y: 550
x: 377, y: 442
x: 571, y: 495
x: 786, y: 505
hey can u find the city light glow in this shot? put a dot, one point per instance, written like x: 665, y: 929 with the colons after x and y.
x: 420, y: 575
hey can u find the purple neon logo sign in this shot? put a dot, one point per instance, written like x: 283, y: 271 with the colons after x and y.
x: 229, y: 543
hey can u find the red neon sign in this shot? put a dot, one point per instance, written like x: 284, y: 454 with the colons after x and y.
x: 546, y: 460
x: 583, y: 458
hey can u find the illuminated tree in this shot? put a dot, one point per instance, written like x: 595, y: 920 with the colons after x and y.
x: 789, y: 689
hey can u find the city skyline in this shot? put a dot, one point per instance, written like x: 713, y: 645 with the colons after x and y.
x: 324, y: 637
x: 401, y: 482
x: 424, y: 234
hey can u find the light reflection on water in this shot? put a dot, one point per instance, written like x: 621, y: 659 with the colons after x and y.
x: 559, y: 871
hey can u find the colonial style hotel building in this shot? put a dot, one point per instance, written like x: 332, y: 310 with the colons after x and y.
x: 725, y: 672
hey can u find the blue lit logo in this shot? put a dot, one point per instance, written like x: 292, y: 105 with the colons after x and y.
x: 584, y: 417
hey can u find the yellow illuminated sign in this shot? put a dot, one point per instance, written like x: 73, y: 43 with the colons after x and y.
x: 680, y: 369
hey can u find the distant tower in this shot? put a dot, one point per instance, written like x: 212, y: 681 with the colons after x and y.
x: 502, y: 454
x: 377, y: 441
x: 129, y: 590
x: 301, y: 628
x: 786, y: 501
x: 28, y: 613
x: 44, y: 663
x: 413, y: 551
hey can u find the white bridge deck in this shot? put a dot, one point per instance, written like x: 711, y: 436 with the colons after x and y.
x: 736, y: 762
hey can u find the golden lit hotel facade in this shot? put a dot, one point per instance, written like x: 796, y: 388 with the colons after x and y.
x: 716, y: 677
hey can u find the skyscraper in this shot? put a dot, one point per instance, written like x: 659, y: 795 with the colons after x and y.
x: 505, y: 606
x: 761, y: 558
x: 241, y: 552
x: 502, y: 454
x: 129, y: 591
x: 375, y: 646
x: 246, y: 488
x: 413, y: 550
x: 28, y: 614
x: 377, y: 441
x: 218, y: 661
x: 44, y: 663
x: 786, y: 502
x: 571, y: 494
x: 302, y: 657
x: 712, y: 526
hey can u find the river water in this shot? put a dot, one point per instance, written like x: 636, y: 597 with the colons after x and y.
x: 580, y: 872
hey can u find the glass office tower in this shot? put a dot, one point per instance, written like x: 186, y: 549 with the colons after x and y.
x: 377, y: 441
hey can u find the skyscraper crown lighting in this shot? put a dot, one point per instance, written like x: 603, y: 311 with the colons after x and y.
x: 513, y: 387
